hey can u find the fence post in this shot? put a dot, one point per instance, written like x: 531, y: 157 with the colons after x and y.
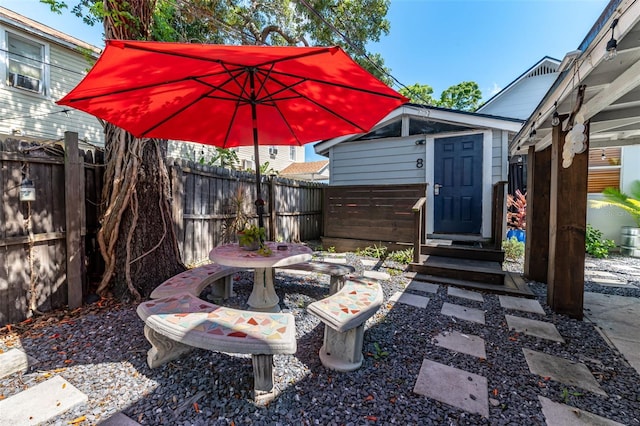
x: 177, y: 201
x: 74, y: 194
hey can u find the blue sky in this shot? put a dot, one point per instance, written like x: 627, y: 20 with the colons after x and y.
x: 439, y: 42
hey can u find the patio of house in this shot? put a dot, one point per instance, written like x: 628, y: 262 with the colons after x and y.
x: 433, y: 354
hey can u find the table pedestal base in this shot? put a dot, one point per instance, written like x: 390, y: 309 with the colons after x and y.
x: 263, y: 298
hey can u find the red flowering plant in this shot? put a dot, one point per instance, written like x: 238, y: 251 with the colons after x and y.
x: 517, y: 210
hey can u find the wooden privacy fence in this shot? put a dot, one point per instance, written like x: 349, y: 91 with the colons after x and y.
x: 361, y: 216
x: 46, y: 245
x: 202, y: 205
x: 49, y: 256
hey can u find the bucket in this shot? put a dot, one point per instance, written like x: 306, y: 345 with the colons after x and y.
x: 630, y: 241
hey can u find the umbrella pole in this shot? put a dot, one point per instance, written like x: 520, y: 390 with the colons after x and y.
x: 254, y: 119
x: 259, y: 200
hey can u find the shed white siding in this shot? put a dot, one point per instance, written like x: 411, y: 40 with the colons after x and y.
x: 522, y: 97
x: 373, y: 162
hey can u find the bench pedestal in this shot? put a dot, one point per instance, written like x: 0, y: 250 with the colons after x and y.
x: 263, y: 378
x: 342, y: 351
x: 162, y: 349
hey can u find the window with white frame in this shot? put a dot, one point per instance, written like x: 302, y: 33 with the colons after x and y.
x: 25, y: 64
x: 292, y: 153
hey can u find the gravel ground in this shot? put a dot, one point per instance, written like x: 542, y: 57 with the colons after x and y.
x: 102, y: 351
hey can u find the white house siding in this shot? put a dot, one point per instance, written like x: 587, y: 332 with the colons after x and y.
x: 378, y: 162
x: 522, y: 98
x: 610, y: 219
x: 37, y: 115
x: 196, y: 151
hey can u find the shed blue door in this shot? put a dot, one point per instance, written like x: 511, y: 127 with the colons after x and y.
x: 458, y: 171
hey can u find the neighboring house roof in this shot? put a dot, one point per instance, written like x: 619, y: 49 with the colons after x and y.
x: 312, y: 170
x: 12, y: 18
x: 437, y: 114
x: 546, y: 68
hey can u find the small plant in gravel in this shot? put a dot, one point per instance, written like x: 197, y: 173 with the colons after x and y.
x: 401, y: 256
x: 513, y: 249
x: 379, y: 353
x: 565, y: 395
x: 331, y: 249
x: 376, y: 251
x: 597, y: 246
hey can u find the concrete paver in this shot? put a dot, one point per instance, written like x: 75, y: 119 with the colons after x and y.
x: 597, y: 273
x: 119, y: 419
x: 611, y: 282
x: 422, y: 286
x: 54, y: 397
x: 462, y: 312
x: 336, y: 260
x: 544, y: 330
x: 453, y: 386
x: 465, y: 294
x: 463, y: 343
x: 521, y: 304
x: 619, y: 319
x: 376, y: 275
x: 370, y: 263
x: 557, y: 414
x: 562, y: 370
x: 410, y: 299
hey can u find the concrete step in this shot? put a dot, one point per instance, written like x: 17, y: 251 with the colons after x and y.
x: 40, y: 403
x: 461, y: 269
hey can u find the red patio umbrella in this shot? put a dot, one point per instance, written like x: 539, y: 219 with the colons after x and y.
x: 230, y: 96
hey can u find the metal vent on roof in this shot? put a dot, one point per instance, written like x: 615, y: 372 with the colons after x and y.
x: 543, y: 70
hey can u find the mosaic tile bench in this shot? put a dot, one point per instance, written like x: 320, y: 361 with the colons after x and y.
x: 176, y: 324
x: 337, y: 272
x: 194, y: 280
x: 344, y: 314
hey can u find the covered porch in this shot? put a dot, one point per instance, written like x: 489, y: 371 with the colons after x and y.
x: 598, y: 89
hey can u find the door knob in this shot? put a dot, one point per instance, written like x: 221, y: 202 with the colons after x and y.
x: 436, y: 189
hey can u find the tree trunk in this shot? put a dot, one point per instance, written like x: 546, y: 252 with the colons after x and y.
x: 137, y: 240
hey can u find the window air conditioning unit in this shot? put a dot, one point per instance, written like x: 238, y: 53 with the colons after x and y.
x: 273, y: 151
x: 24, y: 82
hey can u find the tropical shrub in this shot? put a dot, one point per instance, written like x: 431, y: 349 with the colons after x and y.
x: 629, y: 203
x: 597, y: 246
x: 517, y: 210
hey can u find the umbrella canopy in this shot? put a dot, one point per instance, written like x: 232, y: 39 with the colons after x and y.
x: 230, y: 96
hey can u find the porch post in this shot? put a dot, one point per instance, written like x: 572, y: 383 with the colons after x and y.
x: 567, y: 227
x: 536, y: 255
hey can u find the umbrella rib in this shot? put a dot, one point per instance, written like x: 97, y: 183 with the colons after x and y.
x: 160, y: 84
x: 344, y: 86
x: 319, y: 51
x: 173, y: 114
x: 335, y: 114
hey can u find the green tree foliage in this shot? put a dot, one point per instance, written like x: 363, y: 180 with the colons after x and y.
x: 419, y: 94
x: 464, y: 96
x: 351, y: 24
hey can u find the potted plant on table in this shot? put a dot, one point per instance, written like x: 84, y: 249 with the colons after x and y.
x: 251, y: 237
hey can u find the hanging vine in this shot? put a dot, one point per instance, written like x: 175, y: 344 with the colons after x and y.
x: 135, y: 176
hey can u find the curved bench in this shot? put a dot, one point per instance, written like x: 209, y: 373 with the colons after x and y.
x: 194, y: 280
x: 344, y: 315
x: 338, y: 272
x: 175, y: 324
